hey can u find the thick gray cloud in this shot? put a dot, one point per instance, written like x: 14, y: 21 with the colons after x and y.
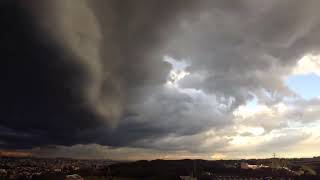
x: 94, y: 70
x: 247, y: 49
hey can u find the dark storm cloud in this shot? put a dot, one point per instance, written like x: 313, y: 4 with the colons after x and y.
x: 38, y: 84
x: 47, y: 89
x: 93, y: 71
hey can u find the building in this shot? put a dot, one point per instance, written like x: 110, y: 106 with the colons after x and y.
x: 74, y: 177
x: 188, y: 178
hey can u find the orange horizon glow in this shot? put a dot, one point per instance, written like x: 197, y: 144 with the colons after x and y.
x: 15, y: 154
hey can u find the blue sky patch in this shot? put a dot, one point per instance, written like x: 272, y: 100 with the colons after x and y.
x: 307, y: 86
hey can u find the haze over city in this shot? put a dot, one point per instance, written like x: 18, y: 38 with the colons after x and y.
x: 160, y: 79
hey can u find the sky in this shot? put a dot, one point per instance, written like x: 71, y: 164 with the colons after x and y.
x: 160, y: 79
x: 306, y: 86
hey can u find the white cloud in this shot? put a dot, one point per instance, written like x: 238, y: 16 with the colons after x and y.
x: 261, y: 116
x: 307, y: 64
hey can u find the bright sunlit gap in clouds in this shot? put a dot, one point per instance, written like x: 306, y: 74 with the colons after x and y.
x: 177, y: 72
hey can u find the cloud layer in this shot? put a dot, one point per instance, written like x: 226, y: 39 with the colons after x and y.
x: 161, y: 75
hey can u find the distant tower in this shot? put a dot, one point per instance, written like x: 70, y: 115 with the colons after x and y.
x: 194, y: 175
x: 274, y: 163
x: 109, y: 176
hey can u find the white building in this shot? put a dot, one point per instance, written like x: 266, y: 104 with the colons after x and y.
x: 74, y: 177
x: 188, y: 178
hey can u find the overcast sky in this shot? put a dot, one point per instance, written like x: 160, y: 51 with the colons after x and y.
x: 164, y: 79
